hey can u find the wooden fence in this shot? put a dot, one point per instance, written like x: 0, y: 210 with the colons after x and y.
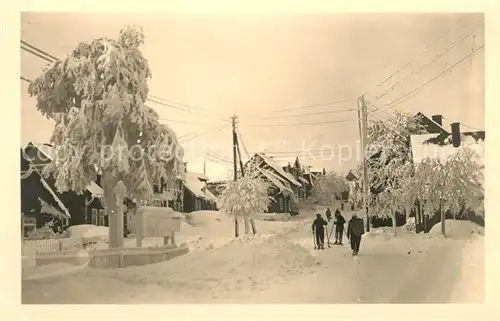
x: 112, y: 258
x: 30, y: 248
x: 125, y: 257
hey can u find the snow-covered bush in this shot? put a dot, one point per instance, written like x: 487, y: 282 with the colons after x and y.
x: 46, y: 232
x: 327, y: 186
x: 96, y: 96
x: 244, y: 197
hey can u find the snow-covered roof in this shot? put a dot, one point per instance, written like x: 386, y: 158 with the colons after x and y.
x: 210, y: 196
x: 277, y: 167
x: 201, y: 176
x: 54, y: 195
x: 194, y: 184
x: 49, y: 152
x: 421, y: 148
x: 49, y: 209
x: 275, y: 180
x: 197, y: 187
x: 432, y: 121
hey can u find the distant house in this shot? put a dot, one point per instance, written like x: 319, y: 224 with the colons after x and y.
x: 39, y: 203
x: 284, y: 187
x: 297, y: 173
x: 86, y: 208
x: 441, y: 145
x: 197, y: 196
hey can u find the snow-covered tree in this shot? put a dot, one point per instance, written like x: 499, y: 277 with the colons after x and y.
x: 454, y: 184
x: 398, y: 193
x: 245, y: 197
x: 327, y: 186
x: 96, y: 95
x: 388, y: 158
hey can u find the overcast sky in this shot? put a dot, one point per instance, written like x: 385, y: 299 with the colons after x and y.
x: 250, y: 65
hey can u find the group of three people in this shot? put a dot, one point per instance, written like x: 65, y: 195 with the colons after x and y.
x: 355, y: 229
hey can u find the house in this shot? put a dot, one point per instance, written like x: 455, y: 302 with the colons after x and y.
x: 311, y: 176
x: 39, y: 203
x: 197, y: 196
x: 86, y: 208
x: 443, y: 144
x: 216, y: 187
x: 284, y: 187
x: 296, y: 172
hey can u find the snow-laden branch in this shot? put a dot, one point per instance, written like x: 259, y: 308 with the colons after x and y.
x: 96, y: 95
x: 245, y: 196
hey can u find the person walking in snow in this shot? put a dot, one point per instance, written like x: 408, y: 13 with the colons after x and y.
x: 328, y: 214
x: 355, y: 229
x: 318, y: 229
x: 339, y: 227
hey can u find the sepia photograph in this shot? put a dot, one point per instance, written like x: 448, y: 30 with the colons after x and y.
x: 284, y: 158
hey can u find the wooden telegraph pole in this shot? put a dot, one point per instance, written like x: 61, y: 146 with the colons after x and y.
x: 252, y: 222
x: 235, y: 168
x: 363, y: 136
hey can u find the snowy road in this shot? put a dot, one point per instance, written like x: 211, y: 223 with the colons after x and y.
x: 284, y: 269
x: 407, y: 269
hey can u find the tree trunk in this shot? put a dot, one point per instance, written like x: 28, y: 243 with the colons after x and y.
x: 443, y: 220
x: 115, y: 237
x: 418, y: 218
x: 425, y: 219
x: 246, y: 220
x: 252, y: 222
x: 393, y: 214
x: 236, y: 227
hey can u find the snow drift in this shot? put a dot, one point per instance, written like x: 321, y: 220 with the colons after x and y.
x: 457, y: 229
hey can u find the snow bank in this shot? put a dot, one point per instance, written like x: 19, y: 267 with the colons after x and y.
x: 49, y: 270
x: 470, y: 287
x: 205, y: 218
x: 210, y: 230
x: 457, y: 229
x: 231, y: 272
x: 89, y: 232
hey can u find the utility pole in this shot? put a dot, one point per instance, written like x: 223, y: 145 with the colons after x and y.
x: 205, y: 160
x: 363, y: 134
x: 238, y: 151
x: 235, y: 162
x: 235, y: 168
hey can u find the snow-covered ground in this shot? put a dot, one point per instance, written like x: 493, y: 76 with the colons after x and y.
x: 280, y: 266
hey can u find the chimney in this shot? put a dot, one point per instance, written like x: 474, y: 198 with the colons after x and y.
x: 438, y: 119
x: 455, y: 133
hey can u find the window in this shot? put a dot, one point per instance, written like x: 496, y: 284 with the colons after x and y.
x: 94, y: 216
x: 29, y: 224
x: 101, y: 218
x: 281, y: 203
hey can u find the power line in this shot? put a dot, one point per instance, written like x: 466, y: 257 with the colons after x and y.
x: 301, y: 124
x: 50, y: 58
x: 37, y: 54
x: 39, y: 50
x: 305, y: 107
x: 421, y: 87
x: 310, y: 114
x: 461, y: 124
x: 426, y: 48
x: 430, y: 62
x: 184, y: 105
